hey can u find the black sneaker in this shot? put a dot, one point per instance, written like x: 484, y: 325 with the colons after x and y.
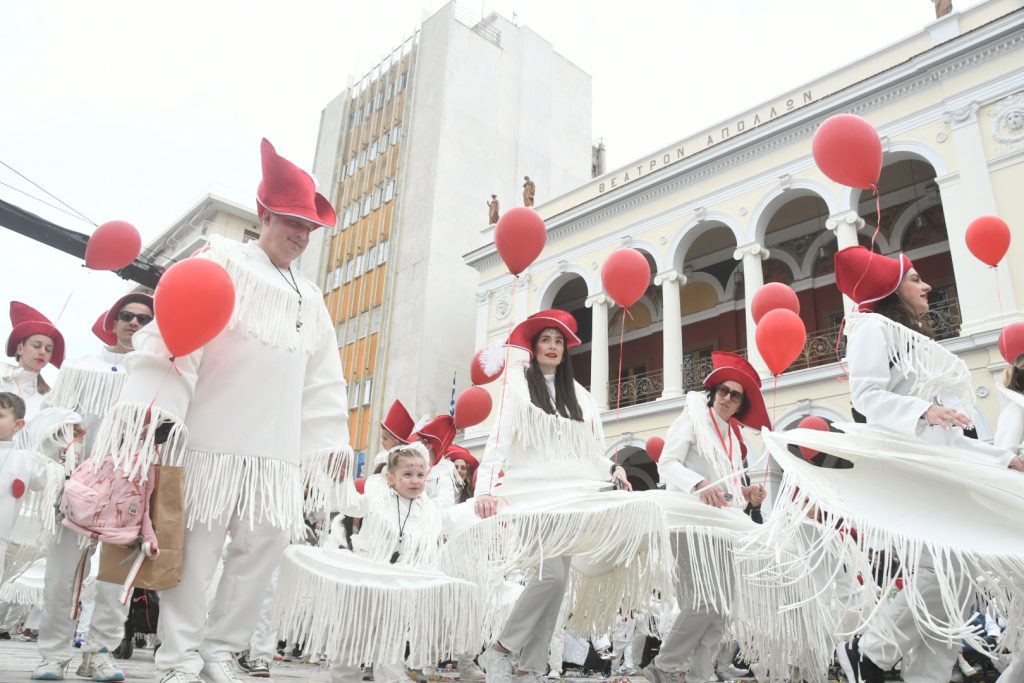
x: 243, y: 660
x: 865, y: 670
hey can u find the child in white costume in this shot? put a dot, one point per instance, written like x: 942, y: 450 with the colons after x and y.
x: 259, y: 420
x: 385, y: 593
x: 88, y: 386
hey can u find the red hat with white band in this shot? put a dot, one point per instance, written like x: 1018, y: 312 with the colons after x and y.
x: 288, y: 190
x: 868, y: 277
x: 729, y: 367
x: 523, y: 334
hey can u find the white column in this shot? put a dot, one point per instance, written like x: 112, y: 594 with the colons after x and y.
x: 966, y: 195
x: 846, y: 226
x: 599, y: 349
x: 672, y: 332
x: 753, y: 279
x: 483, y: 313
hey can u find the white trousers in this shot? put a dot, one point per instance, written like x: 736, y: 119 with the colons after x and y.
x: 187, y: 636
x: 56, y: 627
x: 263, y: 644
x: 924, y: 660
x: 533, y: 619
x: 692, y: 644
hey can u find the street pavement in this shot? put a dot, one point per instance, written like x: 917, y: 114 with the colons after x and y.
x: 18, y: 658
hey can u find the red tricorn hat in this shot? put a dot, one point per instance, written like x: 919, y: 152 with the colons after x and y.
x: 729, y: 367
x: 108, y: 338
x: 459, y: 453
x: 398, y: 423
x: 110, y: 317
x: 867, y: 277
x: 26, y: 322
x: 288, y: 190
x: 522, y: 336
x: 441, y: 432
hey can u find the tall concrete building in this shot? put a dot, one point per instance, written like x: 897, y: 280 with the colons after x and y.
x: 410, y: 155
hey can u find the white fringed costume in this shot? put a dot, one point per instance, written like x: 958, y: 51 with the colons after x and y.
x: 555, y: 513
x: 943, y: 505
x: 25, y: 384
x: 365, y: 608
x: 259, y: 417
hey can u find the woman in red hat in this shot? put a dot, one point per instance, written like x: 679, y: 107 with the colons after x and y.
x: 33, y: 343
x: 465, y: 466
x: 549, y: 437
x: 704, y: 456
x: 905, y: 382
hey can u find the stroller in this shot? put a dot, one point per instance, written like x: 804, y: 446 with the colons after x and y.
x: 143, y: 615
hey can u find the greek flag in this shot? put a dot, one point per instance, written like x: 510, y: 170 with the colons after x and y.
x: 451, y: 407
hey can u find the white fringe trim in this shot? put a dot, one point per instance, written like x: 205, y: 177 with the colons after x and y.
x: 258, y: 490
x: 17, y: 593
x: 962, y: 575
x: 378, y: 535
x: 911, y: 353
x: 727, y: 473
x: 126, y: 436
x: 364, y: 612
x: 268, y: 310
x: 324, y: 473
x: 553, y: 436
x: 612, y: 532
x: 87, y: 391
x: 42, y: 504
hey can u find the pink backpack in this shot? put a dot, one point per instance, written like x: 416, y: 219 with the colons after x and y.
x: 101, y: 502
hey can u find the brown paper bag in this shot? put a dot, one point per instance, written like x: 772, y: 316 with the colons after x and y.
x: 167, y: 510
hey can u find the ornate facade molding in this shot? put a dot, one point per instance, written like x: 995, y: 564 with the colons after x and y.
x: 752, y: 249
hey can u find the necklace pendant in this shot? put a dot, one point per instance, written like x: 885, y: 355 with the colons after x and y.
x: 298, y: 324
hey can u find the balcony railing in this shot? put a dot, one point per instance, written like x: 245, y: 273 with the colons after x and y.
x: 820, y: 349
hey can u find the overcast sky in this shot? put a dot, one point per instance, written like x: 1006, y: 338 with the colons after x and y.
x: 134, y: 111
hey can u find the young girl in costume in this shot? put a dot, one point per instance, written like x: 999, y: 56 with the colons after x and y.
x: 366, y: 605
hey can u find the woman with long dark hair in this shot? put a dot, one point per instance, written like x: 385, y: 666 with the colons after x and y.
x: 904, y: 381
x: 548, y: 439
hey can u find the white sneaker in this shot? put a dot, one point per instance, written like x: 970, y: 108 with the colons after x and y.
x: 99, y: 666
x: 180, y: 677
x: 497, y: 665
x: 50, y: 670
x: 469, y: 671
x: 965, y: 668
x: 224, y: 671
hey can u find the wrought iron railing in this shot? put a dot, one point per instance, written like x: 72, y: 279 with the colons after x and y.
x: 820, y: 349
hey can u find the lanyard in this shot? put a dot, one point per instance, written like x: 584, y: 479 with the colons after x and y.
x: 401, y: 525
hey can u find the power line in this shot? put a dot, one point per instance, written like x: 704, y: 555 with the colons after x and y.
x: 44, y: 202
x: 40, y: 187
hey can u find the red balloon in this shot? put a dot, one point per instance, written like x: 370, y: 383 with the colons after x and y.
x: 655, y: 445
x: 773, y: 295
x: 812, y: 422
x: 847, y: 149
x: 988, y: 238
x: 360, y: 485
x: 113, y: 245
x: 194, y: 301
x: 625, y: 276
x: 1011, y: 342
x: 487, y: 365
x: 781, y: 336
x: 519, y: 238
x: 472, y: 407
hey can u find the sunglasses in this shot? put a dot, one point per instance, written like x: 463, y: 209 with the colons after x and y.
x: 730, y: 394
x: 127, y: 316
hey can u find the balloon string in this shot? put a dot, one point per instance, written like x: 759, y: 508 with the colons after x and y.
x: 504, y: 375
x: 618, y: 382
x: 999, y: 293
x: 67, y: 301
x: 874, y: 236
x: 775, y: 406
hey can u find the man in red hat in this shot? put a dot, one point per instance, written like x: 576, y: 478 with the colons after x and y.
x: 704, y: 456
x: 258, y: 418
x: 88, y: 386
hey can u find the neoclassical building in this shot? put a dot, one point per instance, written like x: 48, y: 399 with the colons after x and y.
x: 722, y: 212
